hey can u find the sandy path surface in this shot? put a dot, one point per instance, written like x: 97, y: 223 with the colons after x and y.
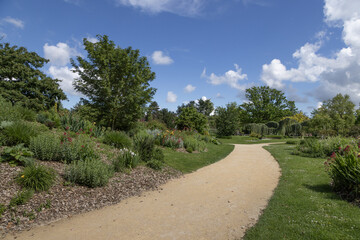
x: 219, y: 201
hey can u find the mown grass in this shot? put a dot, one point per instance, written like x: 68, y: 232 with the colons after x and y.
x: 303, y: 205
x: 189, y: 162
x: 249, y: 140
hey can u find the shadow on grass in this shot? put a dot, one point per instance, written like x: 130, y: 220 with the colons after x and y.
x: 323, y: 188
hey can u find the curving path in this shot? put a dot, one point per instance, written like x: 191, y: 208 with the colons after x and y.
x: 219, y: 201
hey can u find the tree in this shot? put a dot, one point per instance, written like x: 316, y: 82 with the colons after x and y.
x: 299, y: 117
x: 182, y: 106
x: 152, y: 111
x: 167, y: 117
x: 192, y: 119
x: 205, y: 107
x: 21, y: 81
x: 227, y: 119
x: 115, y: 82
x: 266, y: 104
x: 339, y: 112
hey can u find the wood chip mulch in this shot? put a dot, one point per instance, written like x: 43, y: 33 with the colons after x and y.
x: 62, y: 201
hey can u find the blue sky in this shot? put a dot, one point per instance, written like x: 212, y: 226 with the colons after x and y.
x: 309, y: 49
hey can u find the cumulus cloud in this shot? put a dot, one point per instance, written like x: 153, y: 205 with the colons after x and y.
x: 14, y: 21
x: 161, y: 59
x: 92, y: 39
x: 67, y: 76
x: 171, y: 97
x: 203, y: 98
x: 189, y: 88
x: 60, y: 54
x: 231, y: 78
x: 182, y: 8
x: 218, y: 95
x: 339, y: 73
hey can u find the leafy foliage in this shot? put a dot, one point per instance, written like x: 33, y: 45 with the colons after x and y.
x: 21, y: 132
x: 125, y: 160
x: 192, y: 119
x: 334, y: 117
x: 344, y: 170
x: 18, y: 155
x: 115, y: 82
x: 117, y: 139
x: 266, y: 104
x: 22, y: 82
x: 144, y: 145
x: 21, y: 197
x: 36, y: 177
x: 89, y: 172
x: 46, y: 147
x: 227, y: 119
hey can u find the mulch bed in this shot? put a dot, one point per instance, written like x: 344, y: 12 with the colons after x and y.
x: 67, y: 200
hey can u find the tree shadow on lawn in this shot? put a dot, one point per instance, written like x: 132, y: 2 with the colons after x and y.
x: 325, y: 189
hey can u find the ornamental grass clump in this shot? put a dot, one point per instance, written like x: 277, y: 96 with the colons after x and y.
x: 117, y: 139
x: 192, y: 144
x: 125, y: 160
x: 36, y: 177
x: 46, y: 147
x: 344, y: 170
x: 21, y: 132
x: 89, y: 172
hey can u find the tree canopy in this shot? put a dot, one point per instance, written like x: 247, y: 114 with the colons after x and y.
x: 116, y: 82
x: 227, y: 119
x: 22, y: 82
x: 337, y: 114
x: 266, y: 104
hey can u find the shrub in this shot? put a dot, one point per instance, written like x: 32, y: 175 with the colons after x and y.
x: 144, y: 144
x: 155, y: 164
x: 292, y: 141
x: 158, y: 155
x: 272, y: 124
x: 126, y: 159
x: 21, y: 197
x: 20, y: 132
x: 46, y: 147
x: 72, y: 123
x: 36, y: 177
x: 117, y: 139
x: 89, y: 172
x: 154, y: 124
x: 193, y: 144
x: 255, y: 135
x: 344, y: 170
x: 18, y: 155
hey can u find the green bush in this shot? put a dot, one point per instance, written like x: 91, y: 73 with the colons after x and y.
x: 89, y: 172
x: 14, y: 113
x: 36, y: 177
x: 117, y: 139
x: 193, y: 144
x: 344, y: 170
x: 21, y: 132
x: 155, y: 164
x: 144, y: 145
x: 18, y: 155
x: 21, y: 197
x: 155, y: 124
x: 292, y: 141
x: 312, y: 147
x: 46, y: 147
x: 272, y: 124
x: 125, y: 160
x: 72, y: 123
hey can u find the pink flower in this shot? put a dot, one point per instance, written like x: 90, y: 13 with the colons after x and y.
x: 90, y: 129
x: 333, y: 155
x: 69, y: 139
x: 67, y: 128
x: 82, y: 146
x: 64, y: 133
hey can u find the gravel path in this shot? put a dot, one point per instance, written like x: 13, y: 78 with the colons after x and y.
x: 219, y: 201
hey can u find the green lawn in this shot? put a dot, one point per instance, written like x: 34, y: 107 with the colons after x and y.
x: 249, y: 140
x: 189, y: 162
x: 304, y: 205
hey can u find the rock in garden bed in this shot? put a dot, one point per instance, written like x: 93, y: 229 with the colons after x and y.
x: 64, y: 199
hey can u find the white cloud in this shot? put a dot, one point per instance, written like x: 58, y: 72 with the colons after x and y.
x: 319, y: 105
x: 182, y: 8
x: 60, y: 54
x: 171, y: 97
x: 67, y: 76
x: 14, y: 21
x: 203, y: 98
x: 189, y: 88
x: 230, y: 78
x: 159, y: 58
x: 339, y: 73
x: 92, y: 39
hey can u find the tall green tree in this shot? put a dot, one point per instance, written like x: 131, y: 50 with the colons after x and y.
x: 22, y: 82
x: 167, y: 117
x: 266, y: 104
x: 227, y: 119
x: 152, y: 111
x: 339, y: 112
x: 205, y: 107
x: 116, y: 82
x: 192, y: 119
